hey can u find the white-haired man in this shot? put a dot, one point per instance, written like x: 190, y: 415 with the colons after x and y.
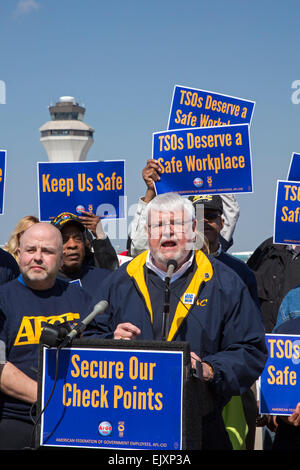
x: 222, y: 323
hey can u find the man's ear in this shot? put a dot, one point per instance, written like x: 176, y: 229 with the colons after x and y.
x: 194, y: 225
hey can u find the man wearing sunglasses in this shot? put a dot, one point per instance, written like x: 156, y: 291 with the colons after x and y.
x: 209, y: 208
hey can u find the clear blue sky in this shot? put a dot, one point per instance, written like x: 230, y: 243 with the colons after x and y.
x: 121, y: 59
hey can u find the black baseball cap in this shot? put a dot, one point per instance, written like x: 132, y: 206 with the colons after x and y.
x: 66, y: 217
x: 209, y: 201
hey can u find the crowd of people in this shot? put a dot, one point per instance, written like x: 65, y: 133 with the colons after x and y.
x: 55, y: 272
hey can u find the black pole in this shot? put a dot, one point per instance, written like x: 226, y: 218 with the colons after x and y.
x: 166, y: 311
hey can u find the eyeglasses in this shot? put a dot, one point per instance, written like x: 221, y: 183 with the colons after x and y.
x: 177, y: 225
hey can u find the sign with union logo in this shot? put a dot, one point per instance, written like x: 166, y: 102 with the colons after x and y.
x: 208, y: 160
x: 279, y: 384
x: 111, y: 398
x: 93, y: 186
x: 201, y: 108
x: 287, y: 213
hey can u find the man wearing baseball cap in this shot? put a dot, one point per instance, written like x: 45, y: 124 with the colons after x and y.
x: 212, y: 227
x: 78, y: 264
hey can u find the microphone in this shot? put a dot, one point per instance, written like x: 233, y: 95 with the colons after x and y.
x: 62, y: 334
x: 52, y: 335
x: 171, y: 266
x: 100, y: 307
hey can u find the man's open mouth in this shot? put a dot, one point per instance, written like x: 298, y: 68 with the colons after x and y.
x: 168, y: 244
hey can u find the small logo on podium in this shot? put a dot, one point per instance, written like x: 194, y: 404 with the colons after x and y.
x: 105, y: 428
x: 121, y: 428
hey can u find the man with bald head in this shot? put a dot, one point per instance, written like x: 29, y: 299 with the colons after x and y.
x: 27, y: 304
x: 40, y: 255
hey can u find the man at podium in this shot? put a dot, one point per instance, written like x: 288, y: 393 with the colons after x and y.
x: 208, y: 306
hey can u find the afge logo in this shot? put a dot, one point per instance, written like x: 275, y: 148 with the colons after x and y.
x: 105, y: 428
x: 198, y: 182
x: 79, y: 209
x: 2, y: 92
x: 188, y: 298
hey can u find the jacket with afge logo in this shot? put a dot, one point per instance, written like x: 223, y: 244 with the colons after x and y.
x: 215, y: 315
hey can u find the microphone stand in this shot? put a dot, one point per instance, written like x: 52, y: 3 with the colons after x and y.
x: 166, y: 311
x: 171, y: 266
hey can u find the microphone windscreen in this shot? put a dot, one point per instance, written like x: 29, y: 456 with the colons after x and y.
x: 172, y: 262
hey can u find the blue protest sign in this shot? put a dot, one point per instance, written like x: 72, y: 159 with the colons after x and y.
x: 287, y: 213
x: 2, y: 179
x: 112, y: 398
x: 191, y: 108
x: 294, y: 168
x: 93, y: 186
x: 279, y: 384
x: 212, y: 160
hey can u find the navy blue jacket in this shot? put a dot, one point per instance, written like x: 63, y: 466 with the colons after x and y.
x: 89, y: 277
x: 223, y: 325
x: 243, y: 271
x: 9, y: 268
x: 216, y: 316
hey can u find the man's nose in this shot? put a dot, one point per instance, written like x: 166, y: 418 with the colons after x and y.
x: 168, y: 229
x: 71, y: 243
x: 38, y: 255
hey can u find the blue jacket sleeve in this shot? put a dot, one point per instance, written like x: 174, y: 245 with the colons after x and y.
x: 289, y: 308
x: 243, y: 353
x: 102, y: 326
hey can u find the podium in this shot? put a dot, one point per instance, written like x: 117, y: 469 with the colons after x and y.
x: 118, y: 394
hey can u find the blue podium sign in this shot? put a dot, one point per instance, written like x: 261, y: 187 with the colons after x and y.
x: 279, y: 382
x: 191, y: 108
x: 287, y: 213
x: 93, y: 186
x: 210, y: 160
x: 112, y: 398
x: 2, y: 179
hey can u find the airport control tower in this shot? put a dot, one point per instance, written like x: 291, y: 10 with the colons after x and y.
x: 66, y: 137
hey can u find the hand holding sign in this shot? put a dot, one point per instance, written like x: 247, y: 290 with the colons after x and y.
x: 294, y: 419
x: 150, y: 174
x: 90, y: 221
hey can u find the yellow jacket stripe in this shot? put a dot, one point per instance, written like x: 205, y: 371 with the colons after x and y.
x: 204, y: 272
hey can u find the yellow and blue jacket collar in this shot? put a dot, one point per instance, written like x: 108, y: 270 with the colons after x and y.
x: 203, y: 272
